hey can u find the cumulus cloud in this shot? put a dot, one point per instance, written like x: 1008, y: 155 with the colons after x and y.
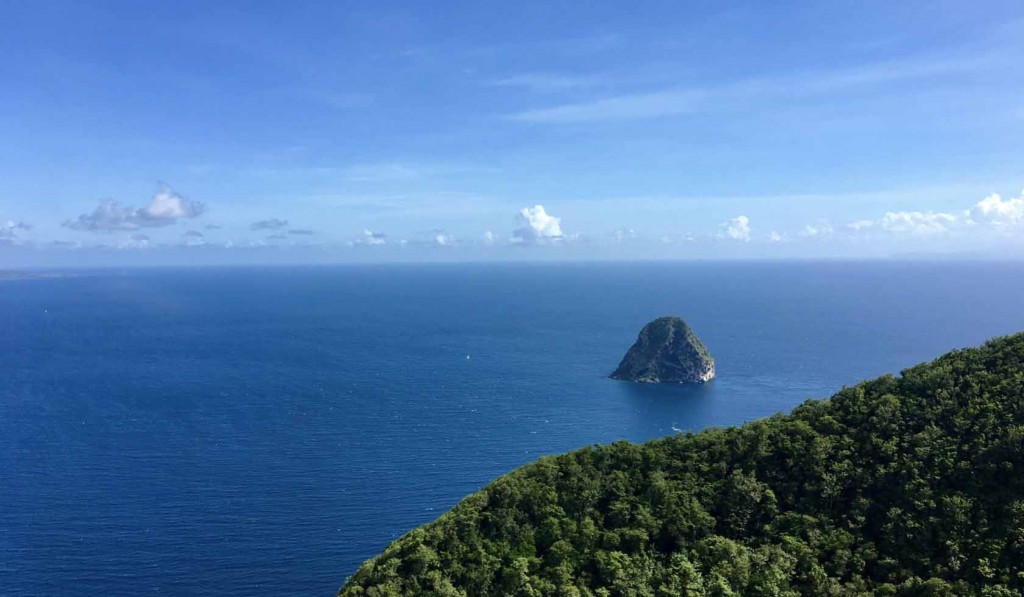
x: 168, y: 205
x: 1004, y: 215
x: 623, y: 234
x: 271, y: 224
x: 301, y: 231
x: 370, y: 238
x: 776, y: 237
x: 537, y: 226
x: 193, y: 238
x: 737, y: 228
x: 991, y: 213
x: 819, y: 229
x: 443, y: 240
x: 918, y: 223
x: 10, y: 231
x: 489, y: 238
x: 165, y: 208
x: 135, y: 241
x: 109, y: 216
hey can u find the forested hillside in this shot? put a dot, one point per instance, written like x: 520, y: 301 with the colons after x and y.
x: 909, y: 485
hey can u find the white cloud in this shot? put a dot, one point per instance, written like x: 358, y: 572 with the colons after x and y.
x: 1004, y: 215
x: 370, y: 238
x: 737, y: 228
x: 860, y: 225
x: 541, y: 82
x: 537, y: 226
x: 675, y: 101
x: 108, y: 216
x: 10, y: 232
x: 443, y: 240
x: 168, y: 205
x: 193, y: 238
x: 776, y: 237
x: 645, y: 105
x: 817, y: 230
x: 916, y: 222
x: 623, y: 234
x: 271, y: 224
x: 489, y: 238
x: 165, y: 208
x: 136, y: 241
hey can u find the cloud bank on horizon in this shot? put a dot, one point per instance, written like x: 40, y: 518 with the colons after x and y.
x: 991, y: 218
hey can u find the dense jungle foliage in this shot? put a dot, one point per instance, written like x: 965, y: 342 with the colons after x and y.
x: 909, y: 485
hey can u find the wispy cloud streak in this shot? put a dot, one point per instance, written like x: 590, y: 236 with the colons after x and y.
x: 674, y: 101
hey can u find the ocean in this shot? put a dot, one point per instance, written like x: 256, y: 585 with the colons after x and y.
x: 262, y: 431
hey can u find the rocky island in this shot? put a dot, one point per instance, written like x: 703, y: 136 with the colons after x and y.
x: 667, y: 351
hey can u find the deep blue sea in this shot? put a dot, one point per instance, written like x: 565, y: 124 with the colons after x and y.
x: 262, y: 431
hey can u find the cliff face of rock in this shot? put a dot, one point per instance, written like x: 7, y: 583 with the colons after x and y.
x: 667, y: 351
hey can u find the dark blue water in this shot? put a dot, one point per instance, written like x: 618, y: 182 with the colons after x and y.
x: 262, y: 431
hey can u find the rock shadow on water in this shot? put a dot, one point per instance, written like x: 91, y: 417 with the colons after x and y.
x: 666, y: 408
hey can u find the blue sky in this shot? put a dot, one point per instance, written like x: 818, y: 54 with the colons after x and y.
x: 195, y: 132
